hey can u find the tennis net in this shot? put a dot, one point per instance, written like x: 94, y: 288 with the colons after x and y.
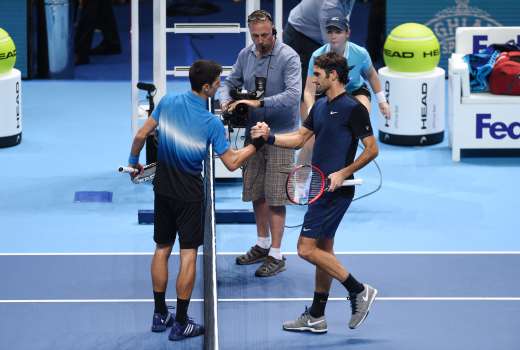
x: 209, y: 254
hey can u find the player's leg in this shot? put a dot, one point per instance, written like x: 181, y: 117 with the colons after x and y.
x: 278, y: 163
x: 191, y: 236
x: 322, y: 220
x: 253, y: 190
x: 164, y: 237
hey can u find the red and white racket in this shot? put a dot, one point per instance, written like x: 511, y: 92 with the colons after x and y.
x: 307, y: 183
x: 147, y: 175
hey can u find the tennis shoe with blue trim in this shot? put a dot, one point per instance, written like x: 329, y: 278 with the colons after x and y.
x: 190, y: 329
x: 161, y: 322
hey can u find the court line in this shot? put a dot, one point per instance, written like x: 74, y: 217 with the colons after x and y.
x: 419, y: 252
x: 249, y: 300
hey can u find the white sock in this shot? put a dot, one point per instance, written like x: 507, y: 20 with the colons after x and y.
x: 275, y: 253
x: 263, y: 242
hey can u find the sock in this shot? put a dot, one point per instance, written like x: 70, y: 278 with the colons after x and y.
x: 160, y: 303
x: 318, y: 304
x: 182, y: 311
x: 275, y: 253
x: 352, y: 285
x: 263, y: 242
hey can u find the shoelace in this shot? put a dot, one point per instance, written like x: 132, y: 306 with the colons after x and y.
x: 353, y: 303
x: 304, y: 314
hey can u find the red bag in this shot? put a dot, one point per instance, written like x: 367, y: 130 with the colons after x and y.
x: 505, y: 77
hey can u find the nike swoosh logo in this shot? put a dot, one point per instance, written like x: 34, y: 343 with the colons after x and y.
x: 306, y: 229
x: 365, y: 297
x: 309, y: 323
x: 333, y: 112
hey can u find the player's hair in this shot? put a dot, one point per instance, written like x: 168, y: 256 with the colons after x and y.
x: 333, y: 61
x: 203, y: 72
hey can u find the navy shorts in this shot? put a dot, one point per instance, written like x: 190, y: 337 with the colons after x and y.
x: 323, y: 216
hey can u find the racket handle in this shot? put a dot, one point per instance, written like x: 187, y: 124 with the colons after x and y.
x: 127, y: 169
x: 352, y: 182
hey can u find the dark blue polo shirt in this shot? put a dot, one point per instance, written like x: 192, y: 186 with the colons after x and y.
x: 338, y: 125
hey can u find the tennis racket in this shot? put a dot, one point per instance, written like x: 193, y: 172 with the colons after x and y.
x: 147, y: 175
x: 307, y: 183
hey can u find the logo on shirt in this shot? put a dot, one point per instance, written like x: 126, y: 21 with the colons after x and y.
x: 333, y: 112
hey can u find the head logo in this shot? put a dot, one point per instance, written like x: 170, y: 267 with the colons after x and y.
x: 8, y: 54
x: 446, y: 22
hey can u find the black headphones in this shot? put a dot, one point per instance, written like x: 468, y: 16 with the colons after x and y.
x: 261, y: 15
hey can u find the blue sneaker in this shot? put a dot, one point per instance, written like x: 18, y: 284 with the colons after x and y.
x: 160, y: 322
x: 190, y: 329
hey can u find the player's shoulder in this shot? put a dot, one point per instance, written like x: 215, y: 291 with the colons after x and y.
x: 320, y: 51
x: 349, y: 102
x: 358, y: 49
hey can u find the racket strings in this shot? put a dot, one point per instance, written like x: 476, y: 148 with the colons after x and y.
x: 304, y: 185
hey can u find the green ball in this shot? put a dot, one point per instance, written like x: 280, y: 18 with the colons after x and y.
x: 7, y: 52
x: 413, y: 48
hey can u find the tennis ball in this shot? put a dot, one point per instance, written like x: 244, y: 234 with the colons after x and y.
x: 412, y: 47
x: 7, y: 52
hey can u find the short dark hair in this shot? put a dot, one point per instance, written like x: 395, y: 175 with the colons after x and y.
x: 332, y: 61
x: 204, y: 72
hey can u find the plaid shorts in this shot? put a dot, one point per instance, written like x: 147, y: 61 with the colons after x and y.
x: 265, y: 175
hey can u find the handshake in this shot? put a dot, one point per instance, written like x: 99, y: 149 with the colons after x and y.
x: 260, y: 130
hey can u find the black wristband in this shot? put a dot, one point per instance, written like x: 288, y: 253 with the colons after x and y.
x: 270, y: 139
x: 261, y: 103
x: 258, y: 143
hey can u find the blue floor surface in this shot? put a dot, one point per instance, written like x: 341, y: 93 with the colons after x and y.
x: 76, y: 134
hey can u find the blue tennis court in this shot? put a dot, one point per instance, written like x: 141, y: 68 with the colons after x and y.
x: 439, y: 241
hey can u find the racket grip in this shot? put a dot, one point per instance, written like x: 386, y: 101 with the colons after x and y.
x: 352, y: 182
x: 127, y: 169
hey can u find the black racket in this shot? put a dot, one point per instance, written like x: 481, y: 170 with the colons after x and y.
x: 307, y: 183
x: 147, y: 175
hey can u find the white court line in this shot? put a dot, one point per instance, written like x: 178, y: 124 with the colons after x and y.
x: 404, y: 252
x: 249, y: 300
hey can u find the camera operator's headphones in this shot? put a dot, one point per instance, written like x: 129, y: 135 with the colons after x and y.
x: 261, y: 15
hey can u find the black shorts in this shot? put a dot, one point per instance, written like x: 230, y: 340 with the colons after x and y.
x: 172, y: 216
x: 363, y: 90
x: 303, y: 45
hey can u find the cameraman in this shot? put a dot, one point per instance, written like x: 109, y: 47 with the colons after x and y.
x: 270, y: 61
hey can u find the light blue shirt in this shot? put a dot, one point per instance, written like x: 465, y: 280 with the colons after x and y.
x: 186, y: 129
x: 282, y: 68
x: 309, y: 16
x: 358, y: 61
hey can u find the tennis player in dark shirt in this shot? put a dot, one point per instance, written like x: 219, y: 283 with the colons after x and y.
x: 338, y: 121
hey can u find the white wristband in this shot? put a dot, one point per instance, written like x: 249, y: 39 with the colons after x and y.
x: 381, y: 97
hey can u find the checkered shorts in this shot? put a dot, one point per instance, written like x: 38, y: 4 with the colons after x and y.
x: 265, y: 175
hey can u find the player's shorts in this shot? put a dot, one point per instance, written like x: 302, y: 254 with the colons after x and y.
x: 172, y: 216
x: 265, y: 175
x: 323, y: 216
x: 363, y: 90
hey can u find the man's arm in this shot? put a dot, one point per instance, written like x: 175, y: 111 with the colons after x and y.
x: 293, y: 86
x: 234, y: 158
x: 294, y: 139
x: 137, y: 145
x: 369, y: 153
